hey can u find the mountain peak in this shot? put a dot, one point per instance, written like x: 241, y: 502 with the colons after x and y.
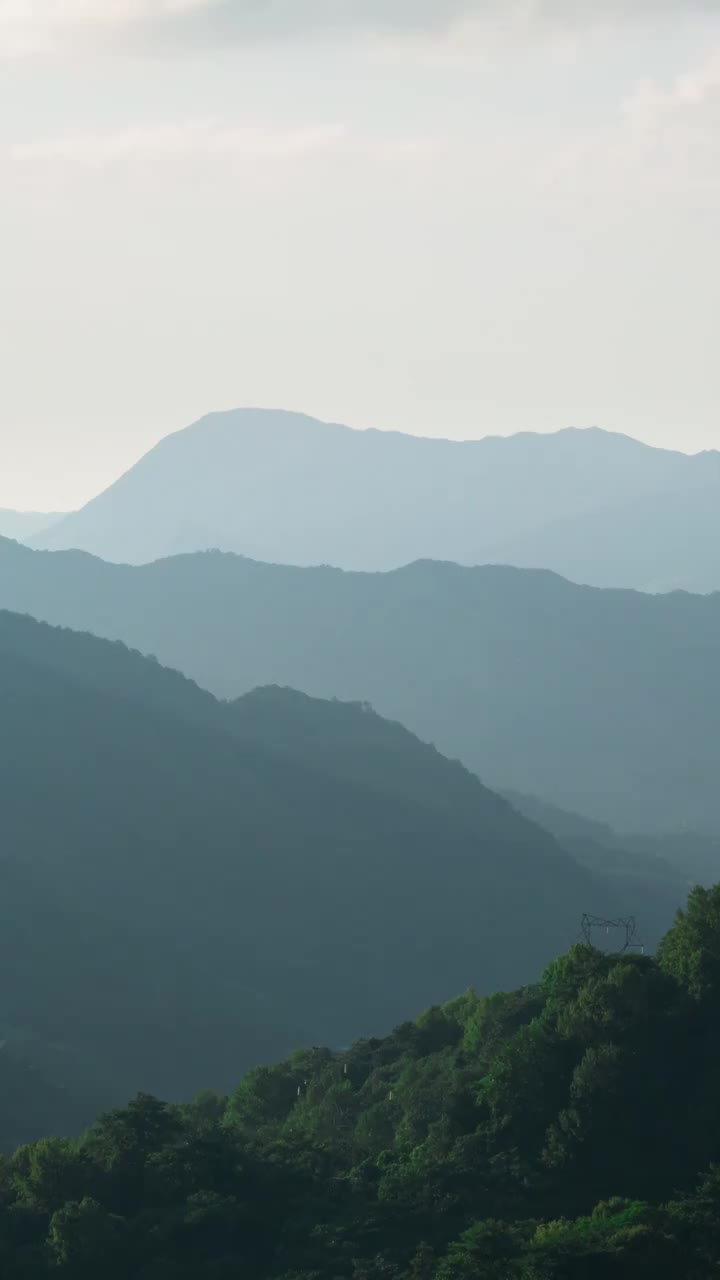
x: 283, y: 487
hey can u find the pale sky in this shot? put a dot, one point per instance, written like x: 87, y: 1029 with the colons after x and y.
x: 448, y: 217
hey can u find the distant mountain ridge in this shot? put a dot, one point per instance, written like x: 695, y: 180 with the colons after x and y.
x: 282, y: 487
x: 605, y: 703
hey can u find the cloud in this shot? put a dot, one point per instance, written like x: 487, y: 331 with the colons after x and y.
x: 651, y: 104
x: 428, y: 15
x: 204, y: 147
x: 659, y: 150
x: 43, y: 26
x: 191, y: 139
x: 676, y: 127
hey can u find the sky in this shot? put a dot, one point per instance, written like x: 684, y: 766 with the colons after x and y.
x: 448, y: 217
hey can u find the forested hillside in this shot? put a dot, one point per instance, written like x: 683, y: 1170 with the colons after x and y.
x: 602, y: 702
x: 187, y: 887
x: 564, y: 1131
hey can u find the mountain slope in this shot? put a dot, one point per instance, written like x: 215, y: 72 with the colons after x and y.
x: 181, y: 897
x: 604, y: 703
x: 681, y: 857
x: 664, y: 542
x: 349, y: 741
x: 25, y: 524
x: 653, y: 872
x: 283, y: 487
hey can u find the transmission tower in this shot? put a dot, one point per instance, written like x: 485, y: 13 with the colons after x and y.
x: 624, y: 926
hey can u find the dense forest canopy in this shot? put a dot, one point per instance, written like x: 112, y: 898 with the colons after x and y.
x: 563, y: 1131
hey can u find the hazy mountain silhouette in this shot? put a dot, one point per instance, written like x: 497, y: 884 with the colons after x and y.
x: 188, y: 887
x: 691, y: 856
x: 24, y: 524
x: 654, y: 872
x: 283, y: 487
x: 602, y: 702
x: 650, y: 875
x: 660, y: 543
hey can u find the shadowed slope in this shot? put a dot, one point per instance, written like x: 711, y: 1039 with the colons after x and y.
x: 203, y: 898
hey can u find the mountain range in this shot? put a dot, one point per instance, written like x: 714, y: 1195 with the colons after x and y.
x: 189, y: 887
x: 605, y: 703
x: 597, y: 507
x: 250, y: 804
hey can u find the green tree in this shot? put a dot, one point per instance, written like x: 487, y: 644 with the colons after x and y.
x: 48, y: 1173
x: 87, y: 1240
x: 486, y: 1251
x: 690, y: 951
